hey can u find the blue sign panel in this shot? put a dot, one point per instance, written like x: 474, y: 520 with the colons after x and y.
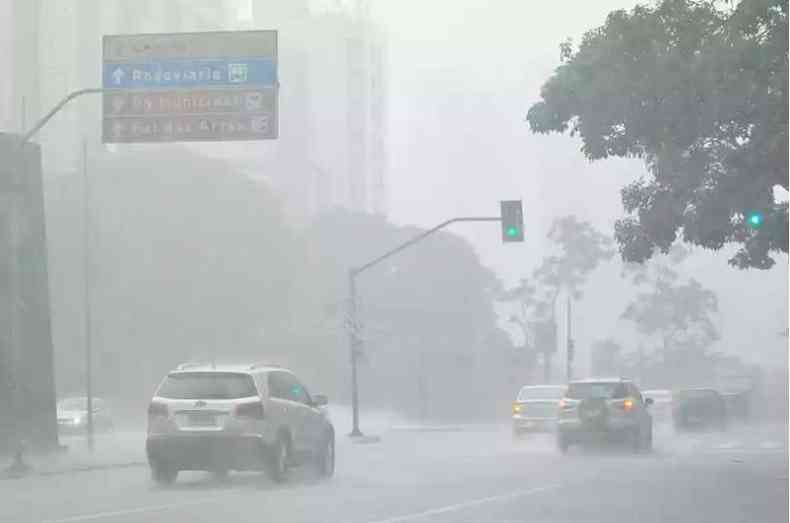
x: 190, y: 87
x: 190, y: 73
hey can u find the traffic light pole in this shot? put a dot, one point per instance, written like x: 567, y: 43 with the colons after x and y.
x: 355, y: 340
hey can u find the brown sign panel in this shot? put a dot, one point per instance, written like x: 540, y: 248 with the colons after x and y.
x: 189, y: 101
x: 217, y: 44
x: 190, y: 128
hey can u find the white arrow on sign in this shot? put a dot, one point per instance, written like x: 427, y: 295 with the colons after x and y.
x: 118, y: 75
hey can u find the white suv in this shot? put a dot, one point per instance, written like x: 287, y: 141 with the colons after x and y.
x: 222, y: 418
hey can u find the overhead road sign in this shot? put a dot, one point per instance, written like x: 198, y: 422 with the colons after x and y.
x: 188, y: 101
x: 190, y: 73
x: 188, y: 128
x: 216, y: 86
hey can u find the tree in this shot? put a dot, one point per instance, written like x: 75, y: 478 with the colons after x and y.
x: 431, y: 341
x: 581, y: 249
x: 190, y: 260
x: 530, y: 309
x: 678, y: 313
x: 698, y: 89
x: 606, y: 358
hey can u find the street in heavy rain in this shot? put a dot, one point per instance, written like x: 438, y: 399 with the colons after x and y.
x: 447, y: 474
x: 378, y: 261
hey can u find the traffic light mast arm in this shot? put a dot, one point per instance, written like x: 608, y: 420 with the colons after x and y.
x: 42, y: 122
x: 357, y: 270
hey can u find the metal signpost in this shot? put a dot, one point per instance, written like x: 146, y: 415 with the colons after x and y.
x: 190, y: 87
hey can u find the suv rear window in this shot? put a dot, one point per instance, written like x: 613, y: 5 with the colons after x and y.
x: 207, y: 385
x: 597, y: 390
x: 540, y: 393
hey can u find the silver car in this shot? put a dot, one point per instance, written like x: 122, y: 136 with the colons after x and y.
x: 535, y: 408
x: 72, y: 415
x: 611, y: 410
x: 247, y: 417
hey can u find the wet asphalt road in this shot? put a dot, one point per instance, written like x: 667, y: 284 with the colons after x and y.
x: 477, y: 476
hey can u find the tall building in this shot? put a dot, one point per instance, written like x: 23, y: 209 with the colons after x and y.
x: 19, y: 56
x: 347, y: 82
x: 331, y: 151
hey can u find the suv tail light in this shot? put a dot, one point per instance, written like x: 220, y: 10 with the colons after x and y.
x: 250, y: 410
x: 628, y: 404
x: 158, y: 410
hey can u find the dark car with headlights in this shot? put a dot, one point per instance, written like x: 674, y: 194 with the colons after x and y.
x: 699, y: 409
x: 605, y: 410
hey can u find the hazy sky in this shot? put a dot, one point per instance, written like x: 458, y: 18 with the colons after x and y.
x: 462, y: 75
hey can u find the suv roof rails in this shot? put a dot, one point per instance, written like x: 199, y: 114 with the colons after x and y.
x: 193, y: 364
x: 263, y: 364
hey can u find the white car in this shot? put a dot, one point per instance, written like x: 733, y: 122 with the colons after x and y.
x: 245, y: 417
x: 535, y: 408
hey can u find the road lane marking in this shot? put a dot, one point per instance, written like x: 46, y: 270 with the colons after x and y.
x: 139, y: 510
x: 466, y: 504
x: 770, y: 445
x: 729, y: 445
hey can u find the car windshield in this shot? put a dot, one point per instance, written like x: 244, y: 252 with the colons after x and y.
x: 207, y: 385
x: 73, y: 404
x: 596, y: 390
x: 540, y: 393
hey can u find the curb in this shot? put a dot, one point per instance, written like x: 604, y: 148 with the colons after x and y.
x: 366, y: 440
x: 420, y: 428
x: 72, y: 470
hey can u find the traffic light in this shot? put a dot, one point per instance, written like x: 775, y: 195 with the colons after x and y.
x: 512, y: 221
x: 755, y: 219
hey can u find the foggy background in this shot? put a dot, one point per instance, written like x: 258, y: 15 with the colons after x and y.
x: 238, y: 251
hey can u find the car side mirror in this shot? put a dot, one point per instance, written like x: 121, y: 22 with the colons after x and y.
x: 320, y: 400
x: 648, y: 401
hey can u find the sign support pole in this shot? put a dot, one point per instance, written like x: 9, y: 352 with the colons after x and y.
x: 86, y: 223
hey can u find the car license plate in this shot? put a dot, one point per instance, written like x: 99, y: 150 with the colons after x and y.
x: 202, y: 420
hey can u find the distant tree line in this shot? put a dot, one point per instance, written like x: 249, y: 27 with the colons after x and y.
x: 193, y: 261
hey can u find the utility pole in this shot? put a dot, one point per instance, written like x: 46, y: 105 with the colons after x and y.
x: 569, y: 353
x: 550, y: 350
x: 86, y: 202
x: 355, y: 343
x: 16, y: 352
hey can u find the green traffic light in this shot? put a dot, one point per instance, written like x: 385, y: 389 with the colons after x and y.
x: 512, y: 231
x: 755, y: 219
